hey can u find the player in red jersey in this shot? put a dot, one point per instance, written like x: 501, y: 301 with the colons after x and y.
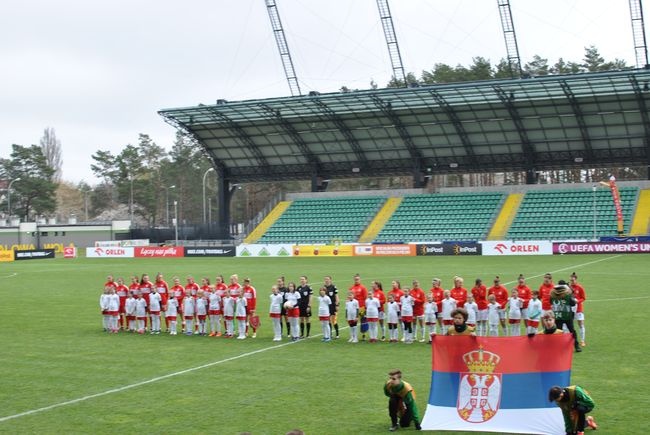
x: 178, y: 292
x: 580, y: 296
x: 438, y: 294
x: 250, y: 294
x: 523, y: 291
x: 419, y: 298
x: 110, y: 282
x: 205, y: 286
x: 163, y: 290
x: 146, y: 286
x: 479, y: 291
x: 134, y: 287
x: 378, y: 292
x: 459, y: 293
x: 396, y: 291
x: 501, y: 295
x: 191, y: 288
x: 360, y: 291
x: 122, y: 292
x: 234, y: 288
x: 545, y: 292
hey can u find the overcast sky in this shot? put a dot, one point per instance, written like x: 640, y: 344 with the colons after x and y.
x: 98, y: 71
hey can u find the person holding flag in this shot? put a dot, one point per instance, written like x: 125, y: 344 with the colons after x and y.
x: 401, y: 401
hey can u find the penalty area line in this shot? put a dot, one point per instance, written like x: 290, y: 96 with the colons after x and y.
x: 148, y: 381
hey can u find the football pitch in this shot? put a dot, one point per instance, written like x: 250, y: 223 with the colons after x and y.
x: 62, y: 374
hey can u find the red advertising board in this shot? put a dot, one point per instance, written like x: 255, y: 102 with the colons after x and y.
x: 158, y: 251
x: 69, y: 252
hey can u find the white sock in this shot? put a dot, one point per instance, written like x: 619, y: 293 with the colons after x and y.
x: 172, y: 325
x: 582, y: 333
x: 189, y: 325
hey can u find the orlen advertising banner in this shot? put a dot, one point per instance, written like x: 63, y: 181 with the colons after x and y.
x: 260, y: 250
x: 385, y: 250
x: 34, y: 254
x: 601, y: 248
x: 99, y: 252
x: 158, y: 251
x: 323, y: 250
x: 529, y: 247
x: 210, y: 251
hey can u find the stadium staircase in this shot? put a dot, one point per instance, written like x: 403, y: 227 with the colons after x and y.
x: 641, y: 222
x: 380, y: 220
x: 324, y: 220
x: 505, y: 217
x: 569, y: 214
x: 442, y: 216
x: 266, y: 223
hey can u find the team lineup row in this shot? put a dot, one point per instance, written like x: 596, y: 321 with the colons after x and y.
x: 204, y: 309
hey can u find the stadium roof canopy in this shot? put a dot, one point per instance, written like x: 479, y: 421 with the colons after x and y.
x: 583, y: 120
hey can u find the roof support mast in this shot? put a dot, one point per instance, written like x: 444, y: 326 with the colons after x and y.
x: 512, y: 49
x: 391, y: 41
x: 283, y: 47
x: 638, y: 32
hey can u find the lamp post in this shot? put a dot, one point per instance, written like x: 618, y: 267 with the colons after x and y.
x: 167, y: 203
x: 9, y: 196
x: 205, y: 175
x: 175, y: 223
x: 131, y: 201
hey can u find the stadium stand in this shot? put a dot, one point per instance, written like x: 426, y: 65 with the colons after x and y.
x: 438, y: 217
x: 324, y: 220
x: 569, y: 214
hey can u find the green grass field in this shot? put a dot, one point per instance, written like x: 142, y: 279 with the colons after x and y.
x: 53, y: 351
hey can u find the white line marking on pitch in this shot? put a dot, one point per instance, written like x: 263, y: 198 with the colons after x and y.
x: 9, y: 276
x: 618, y: 299
x: 192, y: 369
x: 148, y: 381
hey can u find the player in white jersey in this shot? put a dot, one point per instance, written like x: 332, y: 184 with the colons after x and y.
x: 215, y: 312
x: 275, y: 312
x: 129, y: 311
x: 140, y: 312
x: 155, y: 302
x: 407, y: 315
x: 534, y: 313
x: 472, y: 311
x: 113, y: 310
x: 372, y: 317
x: 240, y: 315
x: 189, y: 310
x: 430, y: 308
x: 515, y: 304
x: 292, y: 308
x: 201, y: 311
x: 494, y: 318
x: 352, y: 315
x: 448, y: 306
x: 171, y: 314
x: 229, y: 313
x: 324, y: 303
x: 103, y: 302
x: 392, y: 318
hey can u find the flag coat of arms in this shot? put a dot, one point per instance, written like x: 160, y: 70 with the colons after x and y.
x: 498, y: 384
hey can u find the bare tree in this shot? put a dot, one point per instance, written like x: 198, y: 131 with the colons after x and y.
x: 51, y: 147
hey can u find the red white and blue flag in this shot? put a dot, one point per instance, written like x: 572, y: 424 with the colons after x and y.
x: 498, y: 384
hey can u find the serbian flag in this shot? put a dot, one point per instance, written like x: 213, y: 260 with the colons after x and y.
x: 498, y: 384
